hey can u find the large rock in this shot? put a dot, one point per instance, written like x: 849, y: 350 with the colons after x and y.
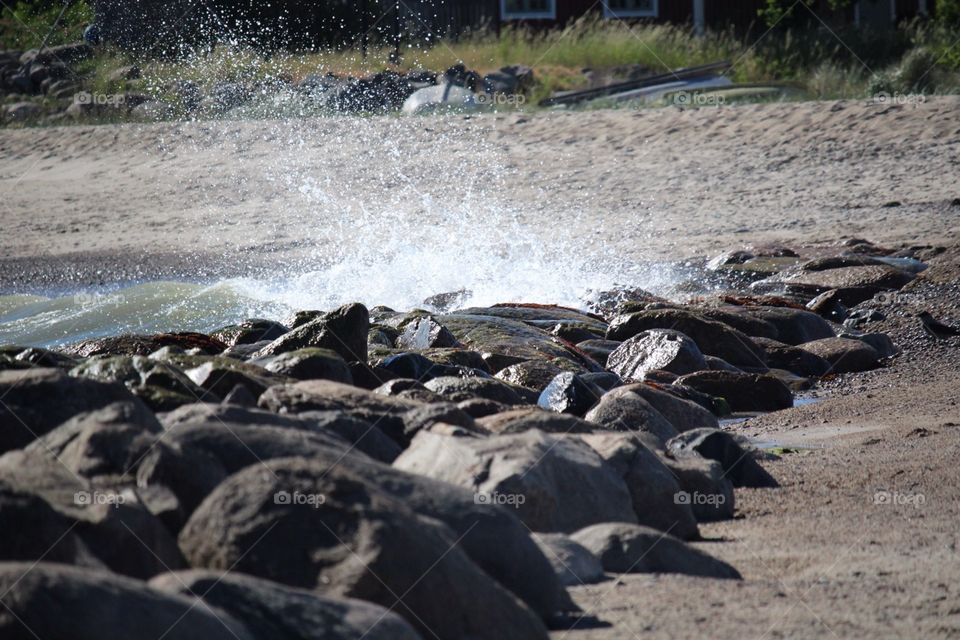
x: 683, y: 414
x: 334, y: 532
x: 55, y: 601
x: 630, y: 548
x: 653, y: 487
x: 137, y: 345
x: 163, y: 387
x: 844, y: 355
x: 310, y: 364
x: 793, y: 359
x: 572, y: 562
x: 713, y: 338
x: 343, y: 330
x: 739, y: 464
x: 386, y: 413
x: 622, y: 409
x: 794, y: 326
x: 520, y: 420
x: 113, y: 525
x: 271, y: 610
x: 28, y: 410
x: 249, y: 332
x: 656, y: 349
x: 555, y: 483
x: 570, y: 393
x: 536, y: 374
x: 104, y: 446
x: 426, y: 333
x: 459, y: 389
x: 704, y: 485
x: 742, y: 391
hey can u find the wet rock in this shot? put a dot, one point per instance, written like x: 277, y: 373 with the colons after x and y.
x: 652, y: 485
x: 660, y: 349
x: 861, y: 317
x: 713, y: 338
x: 27, y: 411
x: 161, y: 386
x: 418, y: 367
x: 219, y: 377
x: 719, y: 364
x: 512, y: 341
x: 427, y: 415
x: 795, y: 383
x: 250, y: 331
x: 270, y: 610
x: 426, y: 333
x: 599, y: 350
x: 742, y: 391
x: 408, y: 389
x: 310, y: 364
x: 624, y: 410
x: 440, y: 98
x: 316, y: 546
x: 570, y: 393
x: 300, y: 318
x: 535, y: 374
x: 343, y: 331
x: 460, y: 389
x: 881, y: 342
x: 603, y: 379
x: 844, y: 355
x: 682, y: 413
x: 520, y: 420
x: 574, y: 332
x: 630, y: 548
x: 794, y: 326
x: 794, y: 359
x: 460, y: 358
x: 828, y: 306
x: 729, y: 258
x: 541, y: 316
x: 555, y: 483
x: 323, y: 395
x: 571, y: 561
x: 134, y: 345
x: 54, y: 601
x: 713, y: 444
x: 854, y: 284
x: 39, y: 357
x: 740, y: 318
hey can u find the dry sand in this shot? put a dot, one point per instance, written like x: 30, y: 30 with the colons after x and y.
x: 819, y: 557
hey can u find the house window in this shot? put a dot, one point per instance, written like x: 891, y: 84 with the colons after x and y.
x: 630, y: 8
x: 528, y: 9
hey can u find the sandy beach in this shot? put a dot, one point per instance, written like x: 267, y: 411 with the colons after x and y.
x: 820, y: 556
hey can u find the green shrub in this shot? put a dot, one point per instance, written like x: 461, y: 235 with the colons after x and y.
x: 27, y: 23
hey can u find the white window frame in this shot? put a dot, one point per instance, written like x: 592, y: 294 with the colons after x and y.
x: 551, y: 14
x: 631, y: 13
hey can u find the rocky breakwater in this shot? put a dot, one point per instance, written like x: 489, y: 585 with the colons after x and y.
x: 387, y: 474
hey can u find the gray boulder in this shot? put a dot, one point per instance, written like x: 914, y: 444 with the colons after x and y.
x: 271, y: 610
x: 554, y: 483
x: 343, y: 330
x: 683, y: 414
x: 742, y: 391
x: 739, y: 464
x: 55, y: 601
x: 843, y: 354
x: 310, y: 364
x: 631, y: 548
x: 333, y: 532
x: 622, y: 409
x: 573, y: 563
